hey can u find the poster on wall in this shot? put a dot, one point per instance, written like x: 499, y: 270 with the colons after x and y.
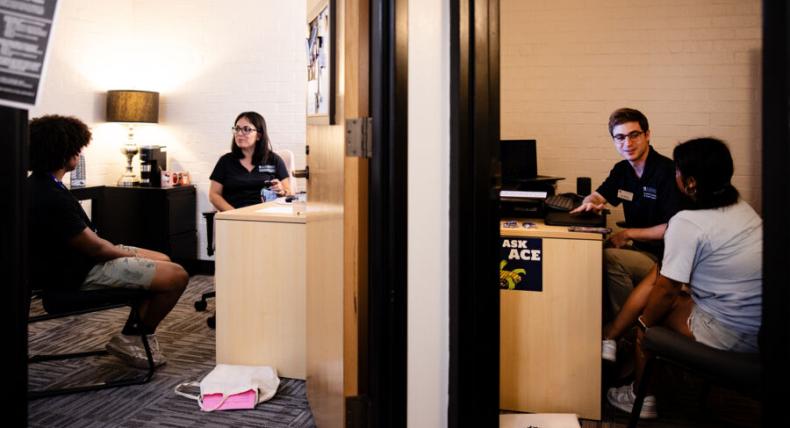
x: 26, y: 27
x: 521, y: 264
x: 320, y: 65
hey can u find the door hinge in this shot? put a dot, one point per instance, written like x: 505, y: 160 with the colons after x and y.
x: 359, y: 137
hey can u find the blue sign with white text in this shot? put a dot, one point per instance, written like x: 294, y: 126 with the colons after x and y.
x: 521, y: 264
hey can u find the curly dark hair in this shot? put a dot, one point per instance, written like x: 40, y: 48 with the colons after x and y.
x: 54, y: 140
x: 624, y: 115
x: 263, y: 146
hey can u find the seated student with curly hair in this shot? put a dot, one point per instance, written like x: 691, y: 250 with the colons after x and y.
x: 65, y: 251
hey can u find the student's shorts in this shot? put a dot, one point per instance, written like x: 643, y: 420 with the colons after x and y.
x: 123, y: 272
x: 709, y: 331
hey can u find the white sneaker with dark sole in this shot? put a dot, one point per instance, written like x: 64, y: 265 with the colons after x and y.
x: 623, y: 398
x: 131, y: 351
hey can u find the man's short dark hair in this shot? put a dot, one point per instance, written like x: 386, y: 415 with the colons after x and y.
x: 624, y: 115
x: 54, y: 140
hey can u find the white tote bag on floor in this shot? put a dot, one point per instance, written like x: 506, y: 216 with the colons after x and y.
x: 230, y: 387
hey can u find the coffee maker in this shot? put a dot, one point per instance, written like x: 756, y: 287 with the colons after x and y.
x: 153, y: 160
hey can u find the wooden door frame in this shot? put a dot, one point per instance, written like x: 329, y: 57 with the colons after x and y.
x: 388, y: 209
x: 474, y: 225
x: 776, y: 194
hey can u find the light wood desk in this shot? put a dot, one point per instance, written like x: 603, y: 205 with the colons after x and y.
x: 550, y: 352
x: 260, y: 284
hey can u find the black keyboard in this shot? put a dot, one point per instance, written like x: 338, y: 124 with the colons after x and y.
x: 563, y: 202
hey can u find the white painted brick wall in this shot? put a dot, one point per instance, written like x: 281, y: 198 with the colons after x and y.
x: 209, y: 59
x: 693, y: 68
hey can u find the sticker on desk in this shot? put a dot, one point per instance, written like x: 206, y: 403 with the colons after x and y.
x: 521, y: 264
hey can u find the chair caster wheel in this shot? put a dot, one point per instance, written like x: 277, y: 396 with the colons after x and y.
x: 212, y: 321
x: 201, y: 305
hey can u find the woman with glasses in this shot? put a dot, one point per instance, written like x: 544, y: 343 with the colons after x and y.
x: 251, y: 166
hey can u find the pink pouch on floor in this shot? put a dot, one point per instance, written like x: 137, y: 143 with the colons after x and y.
x: 243, y: 400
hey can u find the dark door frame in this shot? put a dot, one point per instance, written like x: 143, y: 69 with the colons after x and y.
x: 775, y: 342
x: 388, y: 208
x: 474, y: 225
x: 13, y: 257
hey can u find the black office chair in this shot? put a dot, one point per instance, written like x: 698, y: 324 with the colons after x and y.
x: 202, y: 304
x: 739, y: 371
x: 60, y: 304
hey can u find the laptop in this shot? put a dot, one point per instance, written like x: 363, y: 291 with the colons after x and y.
x: 563, y: 218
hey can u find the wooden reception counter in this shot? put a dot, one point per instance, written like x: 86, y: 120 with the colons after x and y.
x: 260, y: 284
x: 550, y: 352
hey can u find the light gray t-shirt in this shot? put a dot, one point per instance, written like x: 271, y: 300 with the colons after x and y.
x: 719, y: 253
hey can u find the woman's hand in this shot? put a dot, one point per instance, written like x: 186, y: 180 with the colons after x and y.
x: 277, y: 187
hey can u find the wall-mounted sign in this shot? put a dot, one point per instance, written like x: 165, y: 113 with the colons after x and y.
x: 521, y: 264
x: 25, y: 29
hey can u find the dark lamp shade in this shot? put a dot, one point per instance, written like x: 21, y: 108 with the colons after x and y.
x: 132, y: 106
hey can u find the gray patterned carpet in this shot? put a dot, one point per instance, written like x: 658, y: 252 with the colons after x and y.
x: 188, y: 344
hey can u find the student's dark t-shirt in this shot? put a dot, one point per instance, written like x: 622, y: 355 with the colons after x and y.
x: 647, y: 201
x: 242, y: 188
x: 55, y: 217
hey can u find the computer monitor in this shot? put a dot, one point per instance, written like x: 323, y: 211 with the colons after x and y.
x: 519, y: 161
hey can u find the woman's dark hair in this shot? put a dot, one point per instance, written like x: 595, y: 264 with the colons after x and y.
x: 262, y: 145
x: 708, y: 160
x: 624, y: 115
x: 54, y: 140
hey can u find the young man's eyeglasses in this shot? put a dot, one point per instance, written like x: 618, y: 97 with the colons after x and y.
x: 243, y: 130
x: 633, y: 135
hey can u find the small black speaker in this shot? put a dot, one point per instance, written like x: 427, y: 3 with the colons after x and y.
x: 583, y: 186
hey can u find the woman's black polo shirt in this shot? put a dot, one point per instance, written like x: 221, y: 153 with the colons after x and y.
x: 242, y: 188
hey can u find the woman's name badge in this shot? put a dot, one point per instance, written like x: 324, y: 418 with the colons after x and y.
x: 626, y: 196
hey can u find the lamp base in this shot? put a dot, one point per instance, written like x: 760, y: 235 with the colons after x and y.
x: 128, y: 180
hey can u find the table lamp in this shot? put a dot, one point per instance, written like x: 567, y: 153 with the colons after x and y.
x: 131, y: 107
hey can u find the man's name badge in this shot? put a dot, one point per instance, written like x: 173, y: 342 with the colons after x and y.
x: 624, y: 195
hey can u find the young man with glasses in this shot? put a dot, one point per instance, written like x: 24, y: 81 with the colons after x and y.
x: 644, y: 182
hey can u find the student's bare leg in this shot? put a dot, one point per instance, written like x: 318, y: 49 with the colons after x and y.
x: 677, y: 320
x: 169, y: 282
x: 633, y: 307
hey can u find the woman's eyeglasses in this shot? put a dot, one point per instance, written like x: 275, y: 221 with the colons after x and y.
x: 246, y: 130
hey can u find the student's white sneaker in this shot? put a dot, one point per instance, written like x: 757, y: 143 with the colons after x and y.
x: 609, y: 350
x: 623, y: 398
x: 130, y: 349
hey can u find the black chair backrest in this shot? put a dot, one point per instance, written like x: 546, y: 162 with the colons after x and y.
x: 739, y: 370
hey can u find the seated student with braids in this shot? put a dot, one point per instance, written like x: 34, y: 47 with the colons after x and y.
x: 65, y: 251
x: 715, y: 248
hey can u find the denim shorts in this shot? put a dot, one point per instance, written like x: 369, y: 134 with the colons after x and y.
x: 711, y: 332
x: 123, y: 272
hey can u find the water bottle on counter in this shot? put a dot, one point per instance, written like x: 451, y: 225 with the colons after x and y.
x: 78, y: 175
